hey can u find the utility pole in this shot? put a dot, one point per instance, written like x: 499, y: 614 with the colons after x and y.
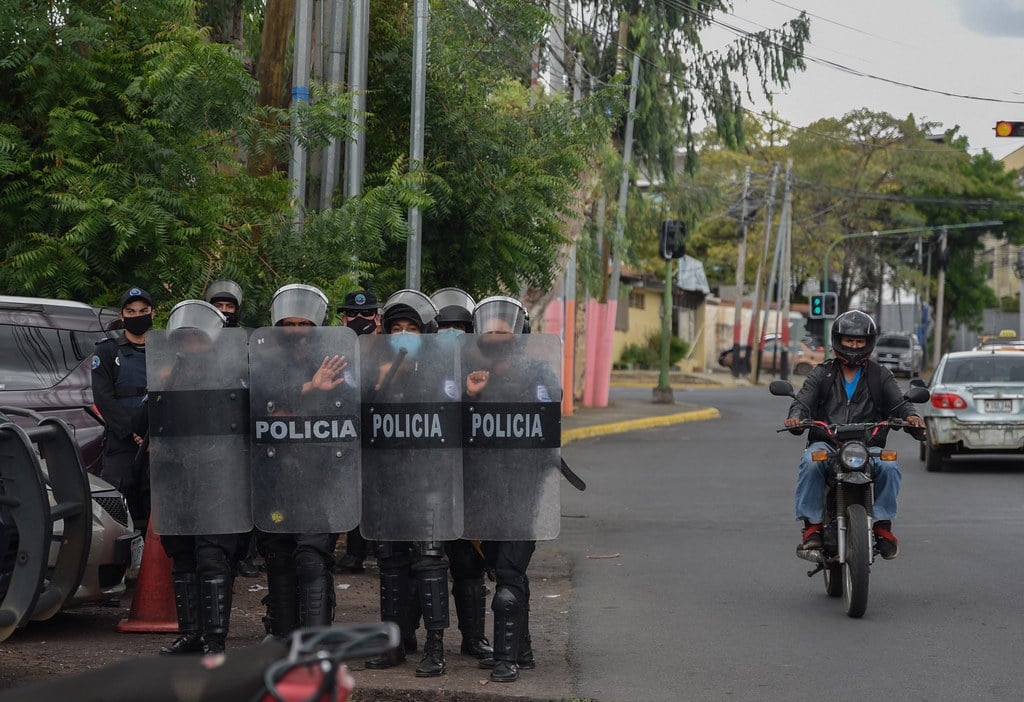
x: 413, y: 245
x: 943, y: 260
x: 741, y: 263
x: 329, y: 173
x: 757, y: 348
x: 786, y: 280
x: 300, y: 94
x: 755, y: 312
x: 355, y: 146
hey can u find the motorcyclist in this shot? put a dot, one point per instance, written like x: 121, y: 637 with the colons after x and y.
x: 851, y: 388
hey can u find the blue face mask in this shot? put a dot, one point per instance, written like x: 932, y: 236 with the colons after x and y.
x: 405, y: 340
x: 450, y: 331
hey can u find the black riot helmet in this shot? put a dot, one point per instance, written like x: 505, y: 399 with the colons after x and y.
x: 412, y: 305
x: 858, y: 324
x: 226, y: 291
x: 454, y: 308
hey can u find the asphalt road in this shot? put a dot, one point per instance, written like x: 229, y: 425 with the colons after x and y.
x: 687, y: 586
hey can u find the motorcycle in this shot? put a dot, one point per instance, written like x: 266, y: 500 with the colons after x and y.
x: 308, y: 666
x: 849, y: 546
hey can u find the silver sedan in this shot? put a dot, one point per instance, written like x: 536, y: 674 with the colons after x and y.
x: 977, y: 405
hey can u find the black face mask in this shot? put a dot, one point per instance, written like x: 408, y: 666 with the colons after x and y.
x: 361, y: 325
x: 231, y: 319
x: 138, y: 325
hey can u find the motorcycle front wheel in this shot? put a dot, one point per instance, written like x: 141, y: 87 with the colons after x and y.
x: 857, y: 567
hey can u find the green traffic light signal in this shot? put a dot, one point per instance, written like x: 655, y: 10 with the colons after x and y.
x: 817, y: 305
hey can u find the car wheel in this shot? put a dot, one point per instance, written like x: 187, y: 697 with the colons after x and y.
x: 933, y: 458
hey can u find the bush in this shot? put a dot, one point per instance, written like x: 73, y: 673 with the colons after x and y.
x: 648, y: 356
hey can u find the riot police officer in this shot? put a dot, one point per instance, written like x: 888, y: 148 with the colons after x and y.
x: 497, y: 321
x: 300, y: 565
x: 413, y: 575
x: 201, y: 566
x: 226, y: 296
x: 118, y: 388
x: 469, y: 589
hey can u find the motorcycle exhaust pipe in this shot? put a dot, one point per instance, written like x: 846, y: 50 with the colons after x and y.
x: 813, y: 555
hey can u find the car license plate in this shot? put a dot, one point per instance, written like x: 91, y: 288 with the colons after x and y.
x: 137, y: 545
x: 998, y: 405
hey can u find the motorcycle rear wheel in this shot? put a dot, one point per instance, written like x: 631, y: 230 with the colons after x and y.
x: 856, y: 569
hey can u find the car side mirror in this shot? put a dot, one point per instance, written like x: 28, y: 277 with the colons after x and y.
x: 918, y: 383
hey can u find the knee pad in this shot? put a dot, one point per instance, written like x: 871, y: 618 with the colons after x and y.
x: 310, y: 566
x: 506, y: 602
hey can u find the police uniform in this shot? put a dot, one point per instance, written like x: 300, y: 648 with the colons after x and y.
x: 119, y: 389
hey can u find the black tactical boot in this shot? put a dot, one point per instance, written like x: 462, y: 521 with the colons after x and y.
x: 508, y: 620
x: 471, y: 608
x: 432, y: 664
x: 396, y: 599
x: 216, y: 594
x: 282, y: 603
x: 186, y: 605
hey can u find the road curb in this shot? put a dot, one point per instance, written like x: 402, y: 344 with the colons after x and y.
x: 634, y: 424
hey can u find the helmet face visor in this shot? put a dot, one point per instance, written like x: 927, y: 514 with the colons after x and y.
x: 301, y: 301
x: 410, y: 304
x: 501, y: 315
x: 224, y: 290
x: 195, y: 314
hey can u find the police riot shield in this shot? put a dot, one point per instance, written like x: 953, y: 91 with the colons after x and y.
x: 198, y: 404
x: 305, y: 429
x: 511, y: 436
x: 412, y: 457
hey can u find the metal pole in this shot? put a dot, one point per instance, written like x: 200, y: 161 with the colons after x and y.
x: 419, y: 81
x: 940, y: 295
x: 355, y: 146
x: 786, y: 279
x: 300, y: 94
x: 627, y: 158
x: 335, y: 69
x: 741, y: 274
x: 663, y: 393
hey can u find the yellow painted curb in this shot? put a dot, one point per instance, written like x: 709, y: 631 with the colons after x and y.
x: 634, y: 424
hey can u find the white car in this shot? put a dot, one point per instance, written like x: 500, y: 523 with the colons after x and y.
x: 976, y: 407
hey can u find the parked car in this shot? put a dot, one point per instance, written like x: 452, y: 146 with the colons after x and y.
x: 802, y: 356
x: 901, y: 353
x: 977, y: 406
x: 45, y: 350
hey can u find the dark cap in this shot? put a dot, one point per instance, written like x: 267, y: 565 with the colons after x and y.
x: 360, y: 300
x: 133, y: 294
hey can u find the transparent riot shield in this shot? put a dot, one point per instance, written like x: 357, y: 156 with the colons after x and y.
x: 412, y: 460
x: 305, y: 429
x: 198, y: 405
x: 512, y: 424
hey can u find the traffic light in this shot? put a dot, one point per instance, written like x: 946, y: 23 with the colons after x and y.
x: 824, y: 305
x: 1009, y: 129
x: 672, y: 239
x: 817, y: 305
x: 831, y: 303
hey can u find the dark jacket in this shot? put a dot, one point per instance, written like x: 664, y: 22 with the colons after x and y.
x: 823, y: 397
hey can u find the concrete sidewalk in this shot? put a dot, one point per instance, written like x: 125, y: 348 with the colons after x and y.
x: 550, y: 575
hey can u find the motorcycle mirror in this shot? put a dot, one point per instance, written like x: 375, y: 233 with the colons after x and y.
x: 781, y: 387
x: 917, y: 394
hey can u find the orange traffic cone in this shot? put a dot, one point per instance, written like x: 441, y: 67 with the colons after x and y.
x: 153, y: 603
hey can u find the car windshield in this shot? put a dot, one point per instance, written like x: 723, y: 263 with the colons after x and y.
x: 984, y: 369
x: 34, y: 358
x: 899, y: 342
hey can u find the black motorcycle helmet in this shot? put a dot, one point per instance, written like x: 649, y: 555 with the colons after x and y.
x: 854, y: 323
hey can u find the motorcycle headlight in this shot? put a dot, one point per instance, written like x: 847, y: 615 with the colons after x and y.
x: 854, y: 455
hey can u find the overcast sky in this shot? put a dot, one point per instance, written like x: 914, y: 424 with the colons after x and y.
x: 956, y: 62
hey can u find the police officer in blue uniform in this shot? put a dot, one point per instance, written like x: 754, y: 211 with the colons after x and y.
x: 119, y: 388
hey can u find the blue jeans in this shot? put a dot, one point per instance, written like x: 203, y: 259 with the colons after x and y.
x: 810, y: 486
